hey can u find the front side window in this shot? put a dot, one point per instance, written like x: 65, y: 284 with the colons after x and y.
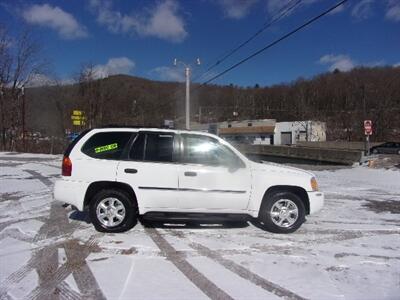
x: 106, y: 145
x: 207, y: 151
x: 155, y: 147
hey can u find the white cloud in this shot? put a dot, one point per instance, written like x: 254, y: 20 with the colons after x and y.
x: 55, y: 18
x: 393, y: 11
x: 397, y: 65
x: 164, y: 23
x: 275, y: 6
x: 67, y: 81
x: 236, y: 9
x: 161, y: 21
x: 363, y: 9
x: 169, y: 73
x: 36, y: 80
x: 117, y: 65
x: 338, y: 9
x: 341, y: 62
x: 378, y: 63
x: 345, y: 63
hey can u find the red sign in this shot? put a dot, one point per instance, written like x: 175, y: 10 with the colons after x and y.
x: 368, y: 127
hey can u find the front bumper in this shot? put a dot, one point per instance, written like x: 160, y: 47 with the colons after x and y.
x: 316, y: 201
x: 71, y: 192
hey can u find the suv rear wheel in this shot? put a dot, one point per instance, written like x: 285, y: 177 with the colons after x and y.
x: 282, y: 212
x: 112, y: 211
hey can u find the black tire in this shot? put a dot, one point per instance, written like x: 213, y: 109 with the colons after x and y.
x: 130, y: 206
x: 266, y: 219
x: 375, y: 151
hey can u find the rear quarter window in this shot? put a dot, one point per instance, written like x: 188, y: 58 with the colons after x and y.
x: 107, y: 145
x: 74, y: 142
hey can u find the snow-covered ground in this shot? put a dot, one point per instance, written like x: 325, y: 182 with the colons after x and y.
x: 350, y: 250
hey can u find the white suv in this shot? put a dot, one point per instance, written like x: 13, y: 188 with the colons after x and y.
x: 121, y: 173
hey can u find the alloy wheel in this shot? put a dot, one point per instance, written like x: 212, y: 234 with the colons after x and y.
x: 284, y: 213
x: 110, y: 212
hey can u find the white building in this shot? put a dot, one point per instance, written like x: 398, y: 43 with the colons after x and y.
x: 288, y: 133
x: 256, y: 132
x: 266, y: 131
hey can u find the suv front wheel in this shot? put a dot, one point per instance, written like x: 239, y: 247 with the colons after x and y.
x: 112, y: 211
x: 282, y: 212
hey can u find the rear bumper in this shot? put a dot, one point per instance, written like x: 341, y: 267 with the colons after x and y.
x: 316, y: 201
x: 71, y: 192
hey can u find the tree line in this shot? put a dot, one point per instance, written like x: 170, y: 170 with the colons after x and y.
x: 342, y: 99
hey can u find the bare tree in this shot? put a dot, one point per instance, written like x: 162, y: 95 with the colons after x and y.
x: 19, y: 62
x: 90, y: 94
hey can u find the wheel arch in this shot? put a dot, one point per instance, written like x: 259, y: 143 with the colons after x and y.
x: 97, y: 186
x: 297, y: 190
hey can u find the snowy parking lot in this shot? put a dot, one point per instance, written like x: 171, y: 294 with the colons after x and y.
x: 349, y: 250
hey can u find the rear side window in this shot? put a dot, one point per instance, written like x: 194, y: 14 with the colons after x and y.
x: 137, y: 150
x: 155, y: 147
x: 106, y: 145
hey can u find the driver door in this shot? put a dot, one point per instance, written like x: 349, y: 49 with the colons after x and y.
x: 211, y: 176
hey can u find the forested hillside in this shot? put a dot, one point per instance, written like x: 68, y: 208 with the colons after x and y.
x: 341, y: 99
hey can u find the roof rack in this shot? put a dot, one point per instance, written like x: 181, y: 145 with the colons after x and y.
x: 132, y: 126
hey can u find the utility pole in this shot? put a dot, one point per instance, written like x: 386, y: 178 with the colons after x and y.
x: 366, y: 143
x: 23, y: 118
x: 3, y: 129
x: 187, y: 77
x: 199, y: 114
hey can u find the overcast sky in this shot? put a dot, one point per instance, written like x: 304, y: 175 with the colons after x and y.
x: 142, y: 37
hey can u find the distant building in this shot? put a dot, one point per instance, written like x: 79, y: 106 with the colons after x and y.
x: 169, y: 124
x: 288, y: 133
x: 248, y: 131
x: 266, y: 131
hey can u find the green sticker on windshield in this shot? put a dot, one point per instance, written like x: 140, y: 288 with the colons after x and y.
x: 106, y: 148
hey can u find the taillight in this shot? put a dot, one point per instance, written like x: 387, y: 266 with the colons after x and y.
x: 66, y: 166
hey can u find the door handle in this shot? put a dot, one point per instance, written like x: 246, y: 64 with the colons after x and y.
x: 130, y: 171
x: 190, y: 174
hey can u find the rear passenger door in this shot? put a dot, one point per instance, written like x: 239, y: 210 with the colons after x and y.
x: 150, y: 168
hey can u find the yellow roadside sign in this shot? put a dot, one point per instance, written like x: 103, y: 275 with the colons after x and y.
x: 78, y: 122
x: 77, y: 112
x: 78, y: 118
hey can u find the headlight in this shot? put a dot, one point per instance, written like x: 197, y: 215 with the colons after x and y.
x: 314, y: 184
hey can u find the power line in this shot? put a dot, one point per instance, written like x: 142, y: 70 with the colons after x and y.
x: 275, y: 42
x: 284, y: 11
x: 281, y: 13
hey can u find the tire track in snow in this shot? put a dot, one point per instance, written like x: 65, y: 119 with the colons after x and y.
x: 67, y: 292
x: 241, y: 271
x: 178, y: 259
x: 46, y: 260
x: 46, y: 181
